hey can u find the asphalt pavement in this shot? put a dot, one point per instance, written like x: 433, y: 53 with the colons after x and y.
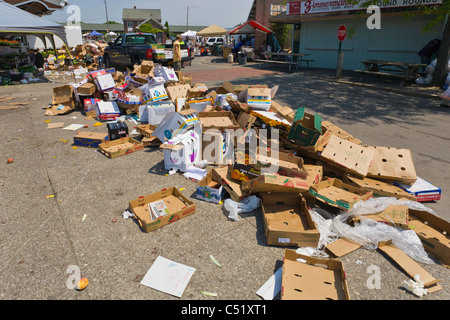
x: 62, y: 207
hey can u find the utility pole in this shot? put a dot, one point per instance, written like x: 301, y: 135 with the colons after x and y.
x: 107, y: 20
x: 187, y: 16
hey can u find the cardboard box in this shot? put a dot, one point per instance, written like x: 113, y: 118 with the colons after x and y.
x: 433, y: 231
x: 233, y: 187
x: 237, y: 106
x: 127, y: 95
x: 338, y: 194
x: 409, y: 266
x: 218, y: 120
x: 155, y: 112
x: 178, y: 91
x: 182, y: 151
x: 90, y: 139
x: 421, y: 190
x: 315, y: 173
x: 177, y: 204
x: 216, y: 147
x: 107, y: 110
x: 337, y: 131
x: 259, y: 98
x: 146, y: 130
x: 394, y: 215
x: 177, y: 123
x: 378, y: 187
x: 117, y: 130
x: 63, y: 101
x: 208, y: 189
x: 167, y: 73
x: 348, y: 156
x: 310, y: 280
x: 89, y: 104
x: 87, y: 89
x: 120, y: 147
x: 157, y: 92
x: 306, y: 128
x: 275, y: 183
x: 199, y: 104
x: 105, y: 82
x: 287, y: 221
x: 392, y: 164
x: 271, y: 119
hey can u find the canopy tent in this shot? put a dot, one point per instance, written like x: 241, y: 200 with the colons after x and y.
x: 112, y: 33
x: 249, y: 27
x: 189, y: 33
x: 19, y: 22
x: 95, y: 34
x: 212, y: 31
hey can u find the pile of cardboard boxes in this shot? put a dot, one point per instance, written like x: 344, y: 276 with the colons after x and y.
x: 306, y: 162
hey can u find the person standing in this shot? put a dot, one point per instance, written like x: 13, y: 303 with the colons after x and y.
x: 177, y: 53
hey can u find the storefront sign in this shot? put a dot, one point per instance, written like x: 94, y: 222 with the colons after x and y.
x: 324, y: 6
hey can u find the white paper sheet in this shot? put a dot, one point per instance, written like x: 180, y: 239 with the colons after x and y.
x: 73, y: 127
x: 272, y: 287
x: 168, y: 276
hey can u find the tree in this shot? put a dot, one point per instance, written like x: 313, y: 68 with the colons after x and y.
x: 147, y: 28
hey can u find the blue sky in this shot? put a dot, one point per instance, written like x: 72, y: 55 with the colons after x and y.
x: 224, y: 13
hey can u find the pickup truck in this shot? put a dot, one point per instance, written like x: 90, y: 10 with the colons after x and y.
x: 131, y: 48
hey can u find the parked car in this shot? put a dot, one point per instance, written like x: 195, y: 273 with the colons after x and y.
x: 210, y: 42
x: 129, y: 49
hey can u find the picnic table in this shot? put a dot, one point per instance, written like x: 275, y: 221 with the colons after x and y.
x: 402, y: 70
x: 293, y: 60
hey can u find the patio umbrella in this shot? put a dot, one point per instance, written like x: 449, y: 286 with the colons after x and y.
x: 189, y: 33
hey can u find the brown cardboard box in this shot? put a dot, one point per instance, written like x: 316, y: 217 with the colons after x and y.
x: 338, y: 194
x: 434, y: 232
x: 379, y: 188
x: 120, y: 147
x: 63, y: 101
x: 218, y: 120
x: 233, y: 187
x: 87, y: 89
x: 315, y: 173
x: 348, y: 156
x: 310, y: 280
x: 287, y: 221
x: 394, y: 215
x: 392, y: 164
x: 337, y: 131
x: 177, y: 91
x: 275, y: 183
x: 146, y: 130
x: 177, y: 204
x: 409, y: 266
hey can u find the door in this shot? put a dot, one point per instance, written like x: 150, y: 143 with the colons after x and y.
x: 296, y: 31
x: 115, y: 49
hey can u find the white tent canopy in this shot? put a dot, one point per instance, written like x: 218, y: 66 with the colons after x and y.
x: 19, y: 22
x: 189, y: 33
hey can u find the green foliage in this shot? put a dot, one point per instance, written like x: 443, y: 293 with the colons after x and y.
x: 282, y: 32
x: 147, y: 28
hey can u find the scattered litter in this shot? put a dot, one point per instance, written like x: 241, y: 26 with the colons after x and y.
x: 209, y: 294
x: 73, y: 127
x: 194, y: 173
x: 272, y: 287
x: 50, y: 196
x: 10, y: 160
x: 415, y: 286
x: 168, y: 276
x: 97, y: 124
x: 247, y: 205
x: 82, y: 284
x: 84, y: 217
x: 55, y: 125
x: 127, y: 214
x: 215, y: 261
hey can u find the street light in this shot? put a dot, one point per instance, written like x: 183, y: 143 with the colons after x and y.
x: 187, y: 16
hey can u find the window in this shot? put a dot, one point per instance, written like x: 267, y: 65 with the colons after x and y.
x: 130, y: 24
x: 140, y: 39
x: 276, y: 9
x: 119, y: 41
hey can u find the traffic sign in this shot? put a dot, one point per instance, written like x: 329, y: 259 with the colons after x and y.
x: 342, y: 32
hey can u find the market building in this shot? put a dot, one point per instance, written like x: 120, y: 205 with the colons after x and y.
x: 399, y: 37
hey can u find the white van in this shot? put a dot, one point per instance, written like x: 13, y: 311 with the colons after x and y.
x: 214, y: 40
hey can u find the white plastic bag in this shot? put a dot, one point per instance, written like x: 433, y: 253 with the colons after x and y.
x: 248, y: 204
x: 369, y: 233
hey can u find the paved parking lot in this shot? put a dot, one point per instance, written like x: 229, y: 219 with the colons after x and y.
x: 41, y: 237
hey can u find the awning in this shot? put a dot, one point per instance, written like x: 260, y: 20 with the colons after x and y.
x: 212, y: 31
x: 189, y: 33
x: 19, y: 22
x: 95, y: 34
x: 250, y: 27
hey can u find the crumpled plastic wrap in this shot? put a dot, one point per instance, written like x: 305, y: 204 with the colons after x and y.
x: 370, y: 233
x: 415, y: 286
x: 248, y: 204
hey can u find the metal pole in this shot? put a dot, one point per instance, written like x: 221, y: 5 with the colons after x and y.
x: 340, y: 61
x: 107, y: 21
x: 187, y: 18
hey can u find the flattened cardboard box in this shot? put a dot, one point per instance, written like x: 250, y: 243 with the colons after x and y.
x: 309, y: 280
x: 392, y: 164
x: 395, y: 215
x: 90, y: 139
x: 287, y: 221
x: 338, y: 194
x: 233, y: 187
x: 120, y: 147
x: 146, y: 130
x: 275, y: 183
x: 348, y: 156
x: 177, y: 204
x: 379, y: 188
x: 409, y: 266
x: 218, y: 120
x: 421, y: 190
x: 434, y: 232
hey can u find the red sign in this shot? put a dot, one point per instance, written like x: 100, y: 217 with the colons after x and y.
x: 294, y: 8
x: 342, y: 32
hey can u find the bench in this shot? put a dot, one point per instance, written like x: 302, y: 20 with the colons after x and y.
x: 402, y: 77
